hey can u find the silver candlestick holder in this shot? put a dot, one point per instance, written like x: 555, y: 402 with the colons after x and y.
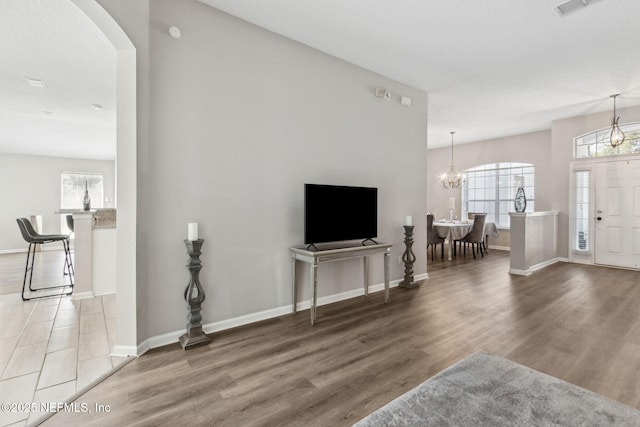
x: 194, y: 296
x: 408, y: 258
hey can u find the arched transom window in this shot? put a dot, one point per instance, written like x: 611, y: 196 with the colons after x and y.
x: 596, y: 143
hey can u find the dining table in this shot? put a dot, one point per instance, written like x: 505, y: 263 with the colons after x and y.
x: 456, y: 230
x: 452, y: 230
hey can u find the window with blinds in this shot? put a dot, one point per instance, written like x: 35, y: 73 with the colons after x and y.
x: 582, y: 238
x: 72, y: 187
x: 491, y: 189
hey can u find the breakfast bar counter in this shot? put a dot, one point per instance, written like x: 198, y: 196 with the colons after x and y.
x: 94, y: 251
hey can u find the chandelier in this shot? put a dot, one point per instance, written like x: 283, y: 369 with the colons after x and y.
x: 452, y: 178
x: 617, y: 136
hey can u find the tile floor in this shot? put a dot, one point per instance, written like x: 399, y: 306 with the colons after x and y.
x: 52, y: 348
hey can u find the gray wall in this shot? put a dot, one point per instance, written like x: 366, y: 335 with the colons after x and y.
x: 238, y: 120
x: 31, y: 186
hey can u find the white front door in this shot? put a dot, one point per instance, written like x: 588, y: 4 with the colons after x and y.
x: 617, y: 204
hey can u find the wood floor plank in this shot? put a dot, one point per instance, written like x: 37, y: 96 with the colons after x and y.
x: 575, y: 322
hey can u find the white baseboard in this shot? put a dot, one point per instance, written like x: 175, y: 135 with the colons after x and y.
x: 535, y: 267
x: 500, y: 248
x: 329, y: 299
x: 124, y: 351
x: 104, y: 293
x: 12, y: 251
x: 222, y: 325
x: 520, y: 272
x: 43, y: 248
x: 82, y: 295
x: 544, y: 264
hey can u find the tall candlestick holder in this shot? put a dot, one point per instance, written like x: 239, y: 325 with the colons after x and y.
x: 408, y: 258
x: 194, y: 296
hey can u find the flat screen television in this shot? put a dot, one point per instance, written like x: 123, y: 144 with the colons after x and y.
x: 335, y: 213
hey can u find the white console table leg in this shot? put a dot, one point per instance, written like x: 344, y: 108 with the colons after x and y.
x: 293, y: 279
x: 366, y: 275
x: 314, y: 297
x: 387, y: 255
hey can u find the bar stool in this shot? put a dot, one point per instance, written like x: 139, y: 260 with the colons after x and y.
x: 69, y: 219
x: 34, y: 239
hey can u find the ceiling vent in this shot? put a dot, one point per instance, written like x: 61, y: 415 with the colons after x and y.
x: 35, y: 82
x: 573, y: 6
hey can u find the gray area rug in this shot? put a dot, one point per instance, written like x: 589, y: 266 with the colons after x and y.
x: 486, y: 390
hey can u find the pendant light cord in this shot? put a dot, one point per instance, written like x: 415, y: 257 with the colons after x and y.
x: 451, y: 147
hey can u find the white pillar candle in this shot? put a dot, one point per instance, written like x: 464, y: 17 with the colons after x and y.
x: 408, y: 220
x: 452, y: 203
x: 193, y: 231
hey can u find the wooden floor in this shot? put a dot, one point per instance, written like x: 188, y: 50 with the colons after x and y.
x: 579, y: 323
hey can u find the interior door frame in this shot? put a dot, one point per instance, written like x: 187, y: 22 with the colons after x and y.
x: 126, y: 177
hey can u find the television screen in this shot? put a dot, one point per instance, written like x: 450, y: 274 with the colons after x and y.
x: 333, y: 213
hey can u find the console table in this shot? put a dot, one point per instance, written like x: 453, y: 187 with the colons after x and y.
x: 315, y: 258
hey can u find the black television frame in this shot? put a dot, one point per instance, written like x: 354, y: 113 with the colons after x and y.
x: 337, y: 213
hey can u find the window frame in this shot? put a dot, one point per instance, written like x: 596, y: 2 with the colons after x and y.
x: 631, y: 145
x: 496, y: 170
x: 584, y: 165
x: 575, y: 244
x: 97, y: 196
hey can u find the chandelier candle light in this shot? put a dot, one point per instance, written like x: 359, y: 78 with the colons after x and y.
x: 617, y: 136
x: 452, y: 178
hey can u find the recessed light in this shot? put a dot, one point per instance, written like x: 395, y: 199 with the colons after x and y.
x: 35, y: 82
x: 97, y: 107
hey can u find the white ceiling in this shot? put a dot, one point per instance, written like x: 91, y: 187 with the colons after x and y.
x: 491, y: 68
x: 53, y: 41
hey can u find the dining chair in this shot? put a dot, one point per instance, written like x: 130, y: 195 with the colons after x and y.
x: 433, y: 238
x: 31, y: 236
x: 470, y: 215
x: 475, y: 235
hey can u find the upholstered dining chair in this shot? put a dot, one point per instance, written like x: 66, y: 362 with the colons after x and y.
x: 433, y: 238
x: 475, y: 235
x: 470, y: 215
x: 31, y: 236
